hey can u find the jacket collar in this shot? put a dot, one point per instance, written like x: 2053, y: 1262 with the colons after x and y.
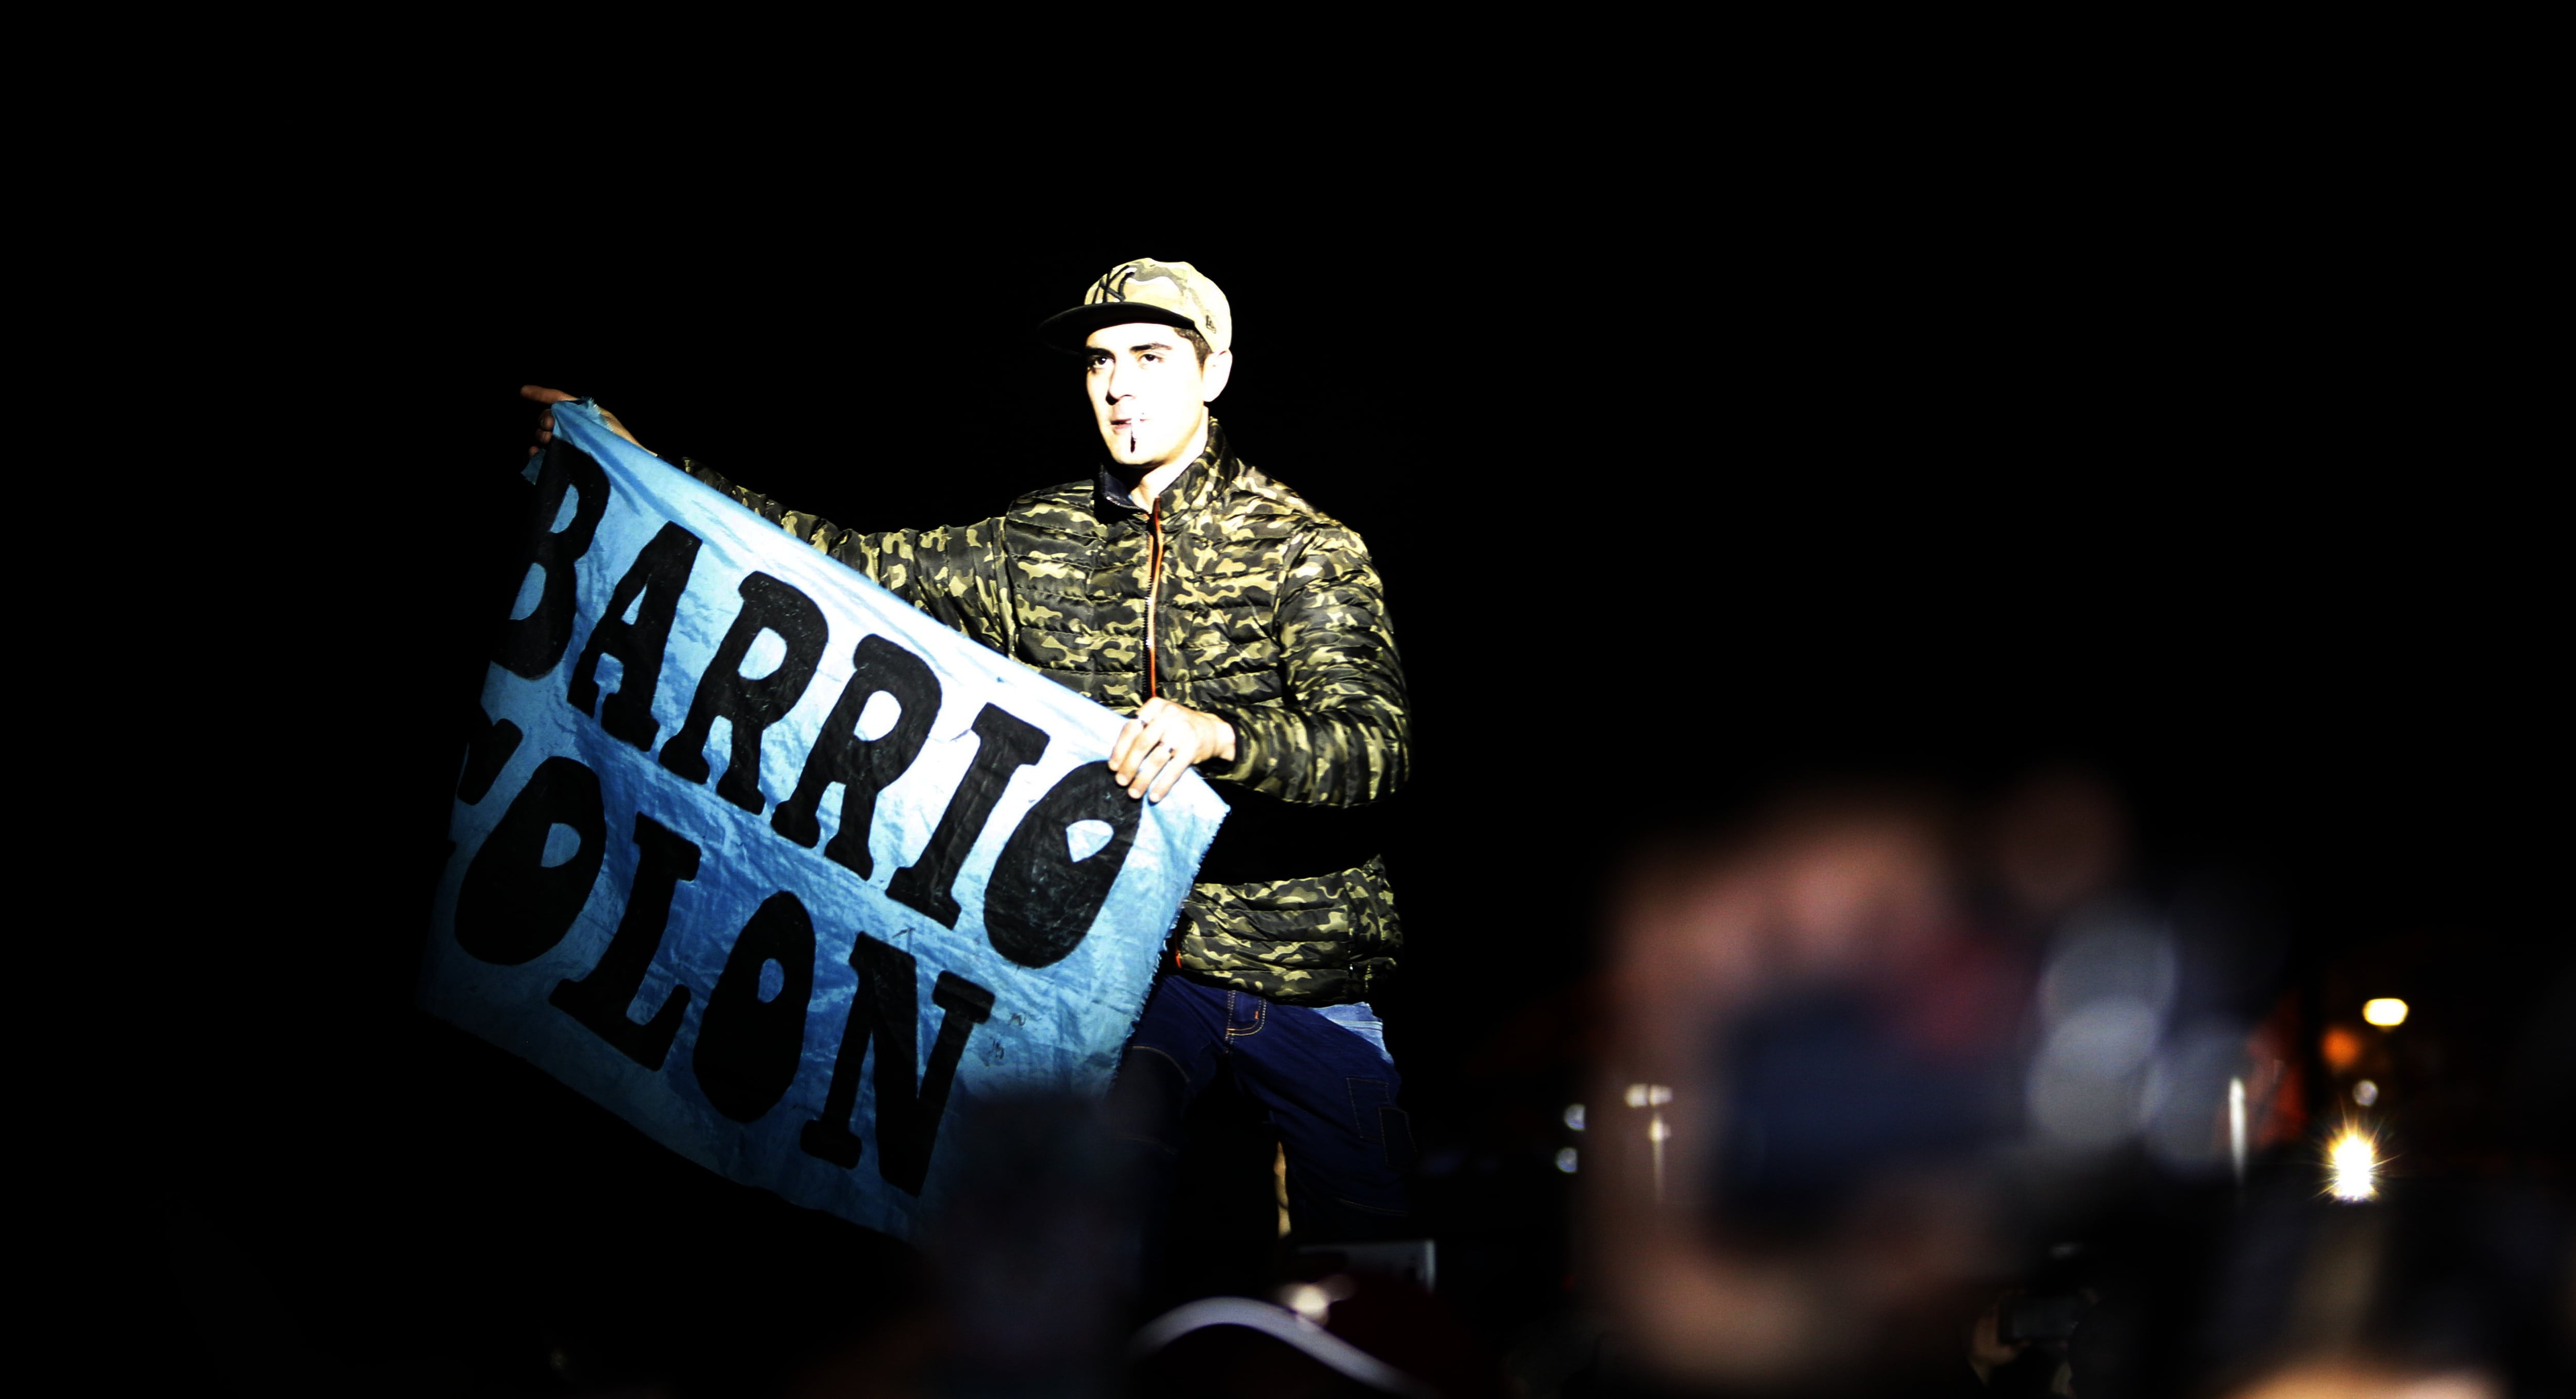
x: 1198, y: 483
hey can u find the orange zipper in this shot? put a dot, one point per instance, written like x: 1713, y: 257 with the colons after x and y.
x: 1153, y: 588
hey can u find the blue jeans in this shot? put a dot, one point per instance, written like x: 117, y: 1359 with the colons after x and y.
x: 1327, y: 1086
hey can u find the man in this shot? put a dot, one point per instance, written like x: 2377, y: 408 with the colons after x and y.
x: 1246, y: 633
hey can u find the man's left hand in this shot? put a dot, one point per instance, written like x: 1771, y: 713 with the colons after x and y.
x: 538, y: 393
x: 1163, y: 741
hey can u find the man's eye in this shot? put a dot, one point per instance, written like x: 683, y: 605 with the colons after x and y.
x: 1151, y: 359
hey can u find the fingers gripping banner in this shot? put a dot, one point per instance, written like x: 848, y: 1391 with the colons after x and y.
x: 776, y: 867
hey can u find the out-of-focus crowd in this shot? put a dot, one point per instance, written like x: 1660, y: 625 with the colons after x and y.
x: 1892, y: 1094
x: 1888, y: 1093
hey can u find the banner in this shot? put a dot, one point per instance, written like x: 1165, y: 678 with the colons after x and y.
x: 774, y: 866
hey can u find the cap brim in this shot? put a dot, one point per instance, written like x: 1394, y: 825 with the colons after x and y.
x: 1066, y: 330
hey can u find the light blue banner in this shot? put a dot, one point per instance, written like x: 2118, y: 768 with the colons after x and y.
x: 707, y: 952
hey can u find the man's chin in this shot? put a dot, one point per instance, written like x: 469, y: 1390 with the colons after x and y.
x: 1136, y: 463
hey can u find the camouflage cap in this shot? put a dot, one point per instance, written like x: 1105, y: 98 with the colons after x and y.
x: 1167, y: 293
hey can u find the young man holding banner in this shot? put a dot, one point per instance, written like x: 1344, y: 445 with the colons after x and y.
x: 1246, y: 634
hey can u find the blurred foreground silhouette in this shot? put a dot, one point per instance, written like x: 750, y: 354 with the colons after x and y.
x: 1887, y: 1090
x: 1901, y: 1097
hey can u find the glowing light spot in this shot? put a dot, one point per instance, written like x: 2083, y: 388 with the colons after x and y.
x: 2354, y: 1164
x: 1313, y: 1301
x: 2365, y: 1092
x: 1309, y: 1301
x: 2387, y: 1012
x: 1565, y: 1160
x: 2236, y: 1126
x: 2341, y: 1048
x: 1641, y: 1095
x: 1574, y: 1116
x: 1656, y: 1135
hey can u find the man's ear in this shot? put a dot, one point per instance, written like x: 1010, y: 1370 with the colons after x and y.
x: 1219, y: 369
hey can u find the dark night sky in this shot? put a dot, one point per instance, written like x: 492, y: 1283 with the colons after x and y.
x: 2214, y: 483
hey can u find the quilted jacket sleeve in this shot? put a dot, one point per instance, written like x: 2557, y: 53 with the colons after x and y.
x: 1339, y: 735
x: 954, y: 573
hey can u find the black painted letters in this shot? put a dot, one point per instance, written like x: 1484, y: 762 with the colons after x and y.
x: 512, y: 906
x: 1039, y: 904
x: 748, y: 1048
x: 751, y: 704
x: 885, y: 1013
x: 660, y: 574
x: 863, y: 767
x: 600, y: 999
x: 531, y: 645
x: 486, y: 754
x: 537, y: 869
x: 1009, y: 744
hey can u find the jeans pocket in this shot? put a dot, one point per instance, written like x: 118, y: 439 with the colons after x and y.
x: 1395, y: 1130
x: 1368, y: 1098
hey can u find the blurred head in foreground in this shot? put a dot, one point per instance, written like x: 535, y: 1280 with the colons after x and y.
x: 1808, y: 1061
x: 1877, y: 1064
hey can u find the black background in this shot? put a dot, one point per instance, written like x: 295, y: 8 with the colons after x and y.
x: 1693, y: 479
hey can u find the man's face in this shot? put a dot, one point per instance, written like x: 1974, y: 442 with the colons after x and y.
x: 1149, y: 393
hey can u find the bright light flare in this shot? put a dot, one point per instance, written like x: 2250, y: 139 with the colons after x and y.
x: 2387, y: 1012
x: 2354, y: 1164
x: 2236, y: 1127
x: 1653, y: 1095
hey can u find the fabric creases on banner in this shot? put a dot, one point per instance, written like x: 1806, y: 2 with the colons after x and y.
x: 776, y: 867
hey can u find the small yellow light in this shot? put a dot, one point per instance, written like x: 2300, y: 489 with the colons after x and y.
x: 2387, y: 1012
x: 2354, y: 1163
x: 1309, y: 1301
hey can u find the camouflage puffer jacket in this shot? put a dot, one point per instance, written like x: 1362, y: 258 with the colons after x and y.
x: 1262, y: 610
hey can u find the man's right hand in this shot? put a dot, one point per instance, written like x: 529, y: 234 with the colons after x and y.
x: 546, y: 419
